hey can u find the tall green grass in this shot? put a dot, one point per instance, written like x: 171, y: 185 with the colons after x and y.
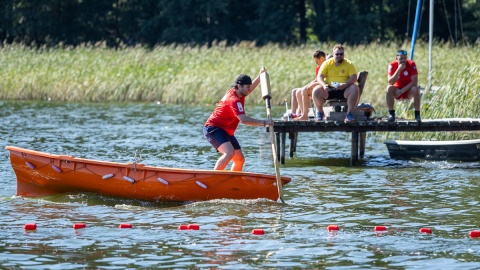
x: 201, y: 74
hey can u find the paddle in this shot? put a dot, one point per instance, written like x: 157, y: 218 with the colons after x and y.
x: 266, y: 94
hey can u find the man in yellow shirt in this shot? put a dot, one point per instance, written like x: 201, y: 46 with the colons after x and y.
x: 336, y: 80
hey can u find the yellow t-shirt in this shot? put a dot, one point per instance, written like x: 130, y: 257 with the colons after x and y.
x: 335, y: 73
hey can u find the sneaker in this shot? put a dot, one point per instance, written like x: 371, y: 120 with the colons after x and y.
x: 349, y: 118
x: 320, y: 116
x: 391, y: 119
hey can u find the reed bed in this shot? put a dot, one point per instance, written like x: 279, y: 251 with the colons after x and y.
x: 201, y: 75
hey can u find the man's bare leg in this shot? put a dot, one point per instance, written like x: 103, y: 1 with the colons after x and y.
x: 238, y: 160
x: 416, y: 94
x: 351, y: 94
x: 298, y: 93
x: 228, y: 153
x: 304, y: 102
x: 390, y: 96
x: 294, y: 101
x: 319, y: 96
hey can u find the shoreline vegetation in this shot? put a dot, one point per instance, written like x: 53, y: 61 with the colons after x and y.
x: 200, y: 75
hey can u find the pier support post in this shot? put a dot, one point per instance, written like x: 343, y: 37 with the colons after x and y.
x: 363, y: 136
x: 354, y: 156
x: 282, y: 148
x: 293, y: 142
x: 277, y: 138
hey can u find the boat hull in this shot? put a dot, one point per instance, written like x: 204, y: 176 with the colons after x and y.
x: 42, y: 174
x: 463, y: 150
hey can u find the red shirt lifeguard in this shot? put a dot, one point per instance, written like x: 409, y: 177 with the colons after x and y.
x: 402, y: 77
x: 220, y: 127
x: 405, y: 77
x: 225, y: 115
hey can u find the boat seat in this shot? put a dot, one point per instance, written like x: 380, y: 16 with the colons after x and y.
x: 340, y: 106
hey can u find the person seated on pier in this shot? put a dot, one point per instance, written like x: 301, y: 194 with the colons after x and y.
x: 306, y: 94
x: 301, y: 96
x: 402, y: 78
x: 336, y: 79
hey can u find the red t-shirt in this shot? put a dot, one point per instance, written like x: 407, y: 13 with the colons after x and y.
x: 225, y: 115
x: 316, y: 71
x: 405, y: 77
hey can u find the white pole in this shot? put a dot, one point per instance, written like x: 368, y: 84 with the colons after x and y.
x: 430, y: 41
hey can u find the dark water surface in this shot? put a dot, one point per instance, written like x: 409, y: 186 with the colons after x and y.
x: 404, y: 196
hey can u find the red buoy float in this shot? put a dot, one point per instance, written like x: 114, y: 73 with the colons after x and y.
x: 77, y: 226
x: 426, y: 230
x: 258, y: 232
x: 30, y: 227
x: 332, y: 228
x: 193, y: 227
x: 380, y: 228
x: 183, y: 227
x: 474, y: 234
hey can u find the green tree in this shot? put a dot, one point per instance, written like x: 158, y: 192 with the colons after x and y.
x: 152, y: 22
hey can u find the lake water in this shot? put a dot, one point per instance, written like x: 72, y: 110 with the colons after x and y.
x: 404, y: 196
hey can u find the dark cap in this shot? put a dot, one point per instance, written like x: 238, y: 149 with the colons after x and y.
x: 243, y: 79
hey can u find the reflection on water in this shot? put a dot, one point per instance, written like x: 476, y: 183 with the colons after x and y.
x: 401, y: 195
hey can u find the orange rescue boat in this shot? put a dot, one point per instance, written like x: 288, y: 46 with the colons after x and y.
x: 42, y: 174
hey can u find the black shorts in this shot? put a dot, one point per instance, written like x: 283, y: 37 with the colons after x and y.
x: 336, y: 94
x: 217, y: 136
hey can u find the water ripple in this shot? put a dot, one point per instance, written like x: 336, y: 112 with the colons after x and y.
x: 401, y: 195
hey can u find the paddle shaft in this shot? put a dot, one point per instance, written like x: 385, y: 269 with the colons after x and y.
x: 266, y: 93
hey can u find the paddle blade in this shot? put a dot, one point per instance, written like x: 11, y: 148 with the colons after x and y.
x: 265, y: 83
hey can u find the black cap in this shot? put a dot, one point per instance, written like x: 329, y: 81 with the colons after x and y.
x: 243, y: 79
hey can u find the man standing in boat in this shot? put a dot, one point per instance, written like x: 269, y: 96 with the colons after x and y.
x: 403, y: 84
x: 222, y: 123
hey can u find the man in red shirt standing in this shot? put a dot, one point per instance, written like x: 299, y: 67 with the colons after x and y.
x: 222, y: 123
x: 403, y: 84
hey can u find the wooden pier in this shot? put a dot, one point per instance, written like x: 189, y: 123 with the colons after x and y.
x: 359, y: 130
